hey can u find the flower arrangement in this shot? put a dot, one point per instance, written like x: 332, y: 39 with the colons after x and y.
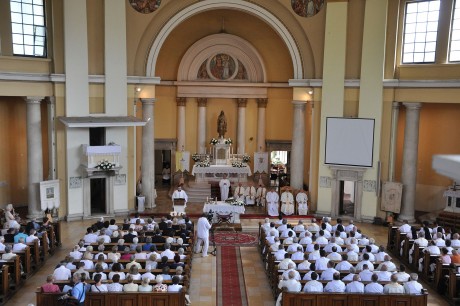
x: 105, y: 165
x: 196, y: 157
x: 238, y: 164
x: 204, y: 163
x: 214, y: 141
x: 246, y: 158
x: 228, y: 141
x: 234, y: 202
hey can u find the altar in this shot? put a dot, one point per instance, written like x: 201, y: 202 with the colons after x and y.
x: 215, y: 173
x: 223, y: 208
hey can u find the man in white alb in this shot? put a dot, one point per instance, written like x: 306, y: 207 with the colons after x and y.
x: 287, y: 202
x: 272, y: 203
x: 224, y: 185
x: 261, y: 193
x: 179, y: 194
x: 239, y: 192
x: 202, y: 233
x: 302, y: 199
x: 250, y: 194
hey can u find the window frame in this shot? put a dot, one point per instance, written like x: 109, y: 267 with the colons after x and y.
x: 455, y: 12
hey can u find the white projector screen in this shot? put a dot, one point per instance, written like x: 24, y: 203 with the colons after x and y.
x: 349, y: 141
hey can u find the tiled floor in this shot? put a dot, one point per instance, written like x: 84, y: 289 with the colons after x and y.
x: 203, y: 280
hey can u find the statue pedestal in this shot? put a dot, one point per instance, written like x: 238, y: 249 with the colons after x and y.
x: 221, y: 154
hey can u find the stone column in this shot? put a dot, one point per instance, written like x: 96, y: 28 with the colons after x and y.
x: 409, y: 163
x: 51, y: 137
x: 393, y: 139
x: 261, y: 106
x: 34, y: 155
x: 241, y: 141
x: 148, y: 152
x: 181, y: 123
x: 202, y: 102
x: 298, y: 144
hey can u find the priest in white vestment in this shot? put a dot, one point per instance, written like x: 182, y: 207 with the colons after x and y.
x: 224, y: 185
x: 302, y: 199
x: 287, y: 202
x: 272, y: 203
x: 250, y: 194
x: 239, y: 193
x: 179, y: 194
x: 261, y: 193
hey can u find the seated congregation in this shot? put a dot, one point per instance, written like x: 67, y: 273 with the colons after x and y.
x: 317, y: 261
x: 140, y: 261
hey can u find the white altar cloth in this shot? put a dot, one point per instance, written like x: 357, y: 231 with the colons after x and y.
x: 225, y: 209
x: 215, y: 173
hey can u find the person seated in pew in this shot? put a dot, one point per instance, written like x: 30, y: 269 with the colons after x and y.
x: 99, y: 270
x: 352, y: 255
x: 313, y: 227
x: 98, y: 286
x: 421, y: 241
x: 380, y: 256
x: 426, y: 230
x: 290, y: 239
x: 2, y: 244
x: 135, y: 218
x: 432, y: 249
x: 133, y: 262
x: 365, y: 261
x: 49, y: 287
x: 100, y: 249
x: 367, y: 250
x: 61, y: 273
x: 299, y: 254
x: 116, y: 270
x: 374, y: 287
x: 145, y: 287
x: 70, y: 263
x: 300, y: 227
x: 181, y: 252
x: 21, y: 234
x: 177, y: 262
x: 167, y: 252
x: 152, y: 260
x: 160, y: 287
x: 130, y: 286
x: 279, y: 255
x: 175, y: 287
x: 393, y: 287
x: 413, y: 286
x: 374, y: 247
x: 307, y: 276
x: 324, y: 232
x: 445, y: 257
x: 75, y: 253
x: 90, y: 236
x: 130, y: 235
x: 455, y: 241
x: 290, y: 284
x: 328, y: 273
x: 449, y: 246
x: 165, y: 273
x: 88, y: 260
x: 148, y: 243
x: 115, y: 286
x: 384, y: 275
x: 336, y: 285
x: 334, y: 255
x: 366, y: 274
x: 364, y: 240
x: 313, y: 285
x: 134, y: 273
x: 9, y: 236
x: 293, y: 247
x: 402, y: 275
x: 114, y: 255
x: 139, y: 254
x: 306, y: 239
x: 355, y: 286
x: 455, y: 258
x: 405, y: 228
x: 440, y: 242
x: 276, y: 245
x: 81, y: 269
x: 305, y: 264
x: 311, y: 247
x: 163, y: 263
x: 158, y: 238
x: 32, y: 236
x: 437, y: 229
x: 148, y: 273
x: 291, y: 267
x: 103, y: 235
x: 332, y: 243
x: 344, y: 264
x: 314, y: 255
x: 285, y: 233
x: 351, y: 275
x: 20, y: 245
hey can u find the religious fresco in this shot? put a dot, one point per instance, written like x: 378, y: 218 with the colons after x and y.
x: 242, y: 74
x: 222, y: 66
x: 307, y: 8
x: 203, y: 71
x: 145, y: 6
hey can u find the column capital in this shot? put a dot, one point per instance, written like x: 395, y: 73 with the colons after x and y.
x: 262, y: 102
x: 299, y: 104
x: 148, y: 101
x: 51, y: 100
x: 202, y: 102
x: 413, y: 106
x: 33, y: 99
x: 181, y: 101
x: 241, y: 102
x: 396, y: 105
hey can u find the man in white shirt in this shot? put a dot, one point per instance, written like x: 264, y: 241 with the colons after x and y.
x: 167, y: 252
x: 291, y: 285
x: 328, y: 274
x: 413, y: 286
x: 355, y: 286
x: 402, y: 275
x: 302, y: 199
x: 351, y: 275
x: 334, y: 256
x: 291, y: 268
x: 374, y: 287
x: 421, y: 241
x: 350, y: 227
x: 20, y: 246
x: 299, y: 254
x: 250, y: 194
x: 380, y: 256
x: 287, y: 202
x: 62, y: 273
x: 344, y: 265
x: 393, y: 287
x: 332, y: 243
x: 336, y: 285
x: 272, y: 203
x: 391, y: 267
x: 90, y: 236
x: 321, y: 263
x: 360, y: 265
x: 31, y: 238
x: 2, y: 245
x: 405, y: 228
x: 326, y: 221
x: 261, y: 195
x: 299, y: 227
x: 284, y: 264
x: 313, y: 285
x: 304, y: 265
x: 280, y: 254
x: 384, y: 275
x: 352, y: 255
x: 135, y: 218
x: 321, y: 239
x: 239, y: 192
x: 179, y: 194
x: 313, y: 227
x: 224, y: 185
x: 202, y: 233
x: 366, y: 275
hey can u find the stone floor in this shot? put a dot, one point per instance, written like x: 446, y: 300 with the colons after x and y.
x: 203, y: 280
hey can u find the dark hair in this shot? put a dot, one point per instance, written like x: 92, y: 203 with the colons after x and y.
x: 314, y: 275
x: 97, y: 278
x: 116, y: 278
x: 116, y: 267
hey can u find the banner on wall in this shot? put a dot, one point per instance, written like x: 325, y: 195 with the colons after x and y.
x: 391, y: 196
x: 261, y: 162
x: 183, y: 161
x: 49, y: 194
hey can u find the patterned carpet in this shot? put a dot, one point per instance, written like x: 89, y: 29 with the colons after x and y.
x: 231, y: 289
x: 236, y: 239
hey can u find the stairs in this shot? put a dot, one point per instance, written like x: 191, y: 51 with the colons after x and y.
x: 198, y: 192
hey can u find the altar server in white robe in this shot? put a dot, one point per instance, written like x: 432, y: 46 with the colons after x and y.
x: 250, y: 194
x: 179, y: 194
x: 287, y: 202
x: 302, y: 199
x: 272, y: 203
x: 224, y: 185
x: 239, y: 193
x: 261, y: 193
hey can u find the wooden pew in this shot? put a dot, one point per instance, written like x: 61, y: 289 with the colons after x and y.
x: 439, y: 274
x: 5, y: 286
x: 454, y: 278
x: 14, y: 268
x: 333, y: 299
x: 118, y: 298
x: 392, y: 244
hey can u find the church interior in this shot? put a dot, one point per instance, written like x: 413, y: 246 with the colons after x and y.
x: 354, y: 102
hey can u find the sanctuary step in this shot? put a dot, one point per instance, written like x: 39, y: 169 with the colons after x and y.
x: 198, y: 192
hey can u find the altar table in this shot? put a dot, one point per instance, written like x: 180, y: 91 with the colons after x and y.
x: 223, y: 208
x: 215, y: 173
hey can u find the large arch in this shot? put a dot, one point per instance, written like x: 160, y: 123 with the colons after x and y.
x: 206, y: 5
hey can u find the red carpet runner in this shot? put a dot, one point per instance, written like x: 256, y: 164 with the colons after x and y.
x: 231, y: 289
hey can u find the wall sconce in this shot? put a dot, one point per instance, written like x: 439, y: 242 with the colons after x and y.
x: 310, y: 92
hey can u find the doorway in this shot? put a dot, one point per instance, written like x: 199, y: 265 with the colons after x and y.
x: 279, y: 168
x: 347, y: 198
x: 98, y: 188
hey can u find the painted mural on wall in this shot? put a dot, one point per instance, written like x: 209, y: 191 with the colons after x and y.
x: 145, y: 6
x: 307, y: 8
x: 222, y: 67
